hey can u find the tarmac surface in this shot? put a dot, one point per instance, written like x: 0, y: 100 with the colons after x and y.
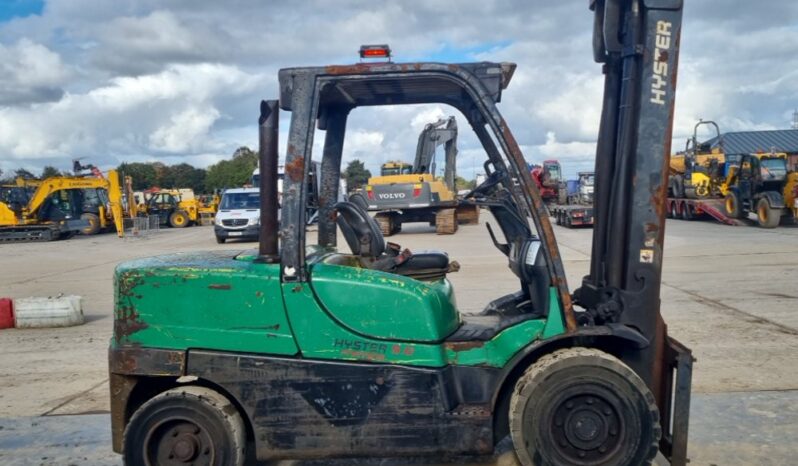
x: 729, y: 293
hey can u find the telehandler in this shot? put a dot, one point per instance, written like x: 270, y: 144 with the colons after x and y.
x: 303, y: 350
x: 760, y: 183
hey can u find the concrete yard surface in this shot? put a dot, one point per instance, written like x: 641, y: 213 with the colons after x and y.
x: 728, y: 293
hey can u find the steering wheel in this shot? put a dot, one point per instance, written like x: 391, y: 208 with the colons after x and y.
x: 484, y: 188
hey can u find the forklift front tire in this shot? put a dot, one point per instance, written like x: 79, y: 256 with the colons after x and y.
x: 583, y: 406
x: 191, y: 425
x: 178, y: 219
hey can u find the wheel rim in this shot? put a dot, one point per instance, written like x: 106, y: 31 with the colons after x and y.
x: 587, y: 428
x: 178, y: 442
x: 729, y: 205
x: 92, y: 226
x: 763, y: 214
x: 179, y: 220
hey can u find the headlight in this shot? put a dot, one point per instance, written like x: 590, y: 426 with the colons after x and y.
x: 218, y: 221
x: 254, y: 221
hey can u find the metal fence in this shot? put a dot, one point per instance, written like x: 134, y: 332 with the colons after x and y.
x: 140, y: 226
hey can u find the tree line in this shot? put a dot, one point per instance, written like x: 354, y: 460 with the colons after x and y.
x: 232, y: 173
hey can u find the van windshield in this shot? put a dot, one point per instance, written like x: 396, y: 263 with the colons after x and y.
x: 232, y: 201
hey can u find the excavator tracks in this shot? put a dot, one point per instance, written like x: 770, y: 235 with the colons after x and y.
x: 446, y: 221
x: 29, y: 233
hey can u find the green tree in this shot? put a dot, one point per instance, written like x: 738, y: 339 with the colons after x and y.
x: 234, y: 172
x: 356, y: 174
x: 50, y: 172
x: 183, y: 175
x: 143, y: 174
x: 22, y: 173
x: 461, y: 183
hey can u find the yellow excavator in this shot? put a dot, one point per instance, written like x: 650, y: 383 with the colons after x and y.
x: 414, y: 193
x: 62, y: 206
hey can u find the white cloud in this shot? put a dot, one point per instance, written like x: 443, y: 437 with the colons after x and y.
x: 30, y: 72
x: 172, y: 112
x: 185, y: 130
x: 181, y: 80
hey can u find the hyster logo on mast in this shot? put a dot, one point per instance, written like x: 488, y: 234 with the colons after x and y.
x: 659, y: 82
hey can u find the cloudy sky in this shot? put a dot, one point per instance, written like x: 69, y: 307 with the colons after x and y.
x: 180, y: 80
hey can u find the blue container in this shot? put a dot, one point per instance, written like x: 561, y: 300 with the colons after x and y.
x: 572, y: 186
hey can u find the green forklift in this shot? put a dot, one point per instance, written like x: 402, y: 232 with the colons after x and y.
x: 302, y: 351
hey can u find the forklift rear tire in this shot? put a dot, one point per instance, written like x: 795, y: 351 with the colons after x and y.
x: 185, y: 425
x: 94, y: 224
x: 583, y: 406
x: 178, y: 219
x: 733, y: 206
x: 767, y: 216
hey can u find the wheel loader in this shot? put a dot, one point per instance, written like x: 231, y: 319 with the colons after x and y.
x: 307, y: 349
x: 178, y: 208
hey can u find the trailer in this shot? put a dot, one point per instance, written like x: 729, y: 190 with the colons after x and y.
x: 572, y: 215
x: 690, y: 209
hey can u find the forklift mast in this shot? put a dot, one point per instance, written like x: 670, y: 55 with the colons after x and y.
x: 442, y: 132
x: 637, y: 41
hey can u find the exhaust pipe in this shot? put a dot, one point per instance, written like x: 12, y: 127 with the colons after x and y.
x: 268, y: 126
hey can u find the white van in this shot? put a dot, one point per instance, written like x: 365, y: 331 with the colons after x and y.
x: 238, y: 215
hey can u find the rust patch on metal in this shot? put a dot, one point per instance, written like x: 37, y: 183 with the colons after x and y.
x: 121, y: 387
x: 458, y: 346
x: 369, y: 356
x: 295, y: 169
x: 219, y: 286
x: 349, y: 69
x: 127, y: 322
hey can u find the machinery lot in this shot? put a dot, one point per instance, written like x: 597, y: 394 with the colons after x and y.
x: 729, y: 293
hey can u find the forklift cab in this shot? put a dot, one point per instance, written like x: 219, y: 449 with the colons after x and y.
x: 386, y: 272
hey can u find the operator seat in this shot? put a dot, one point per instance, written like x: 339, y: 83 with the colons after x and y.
x: 365, y: 239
